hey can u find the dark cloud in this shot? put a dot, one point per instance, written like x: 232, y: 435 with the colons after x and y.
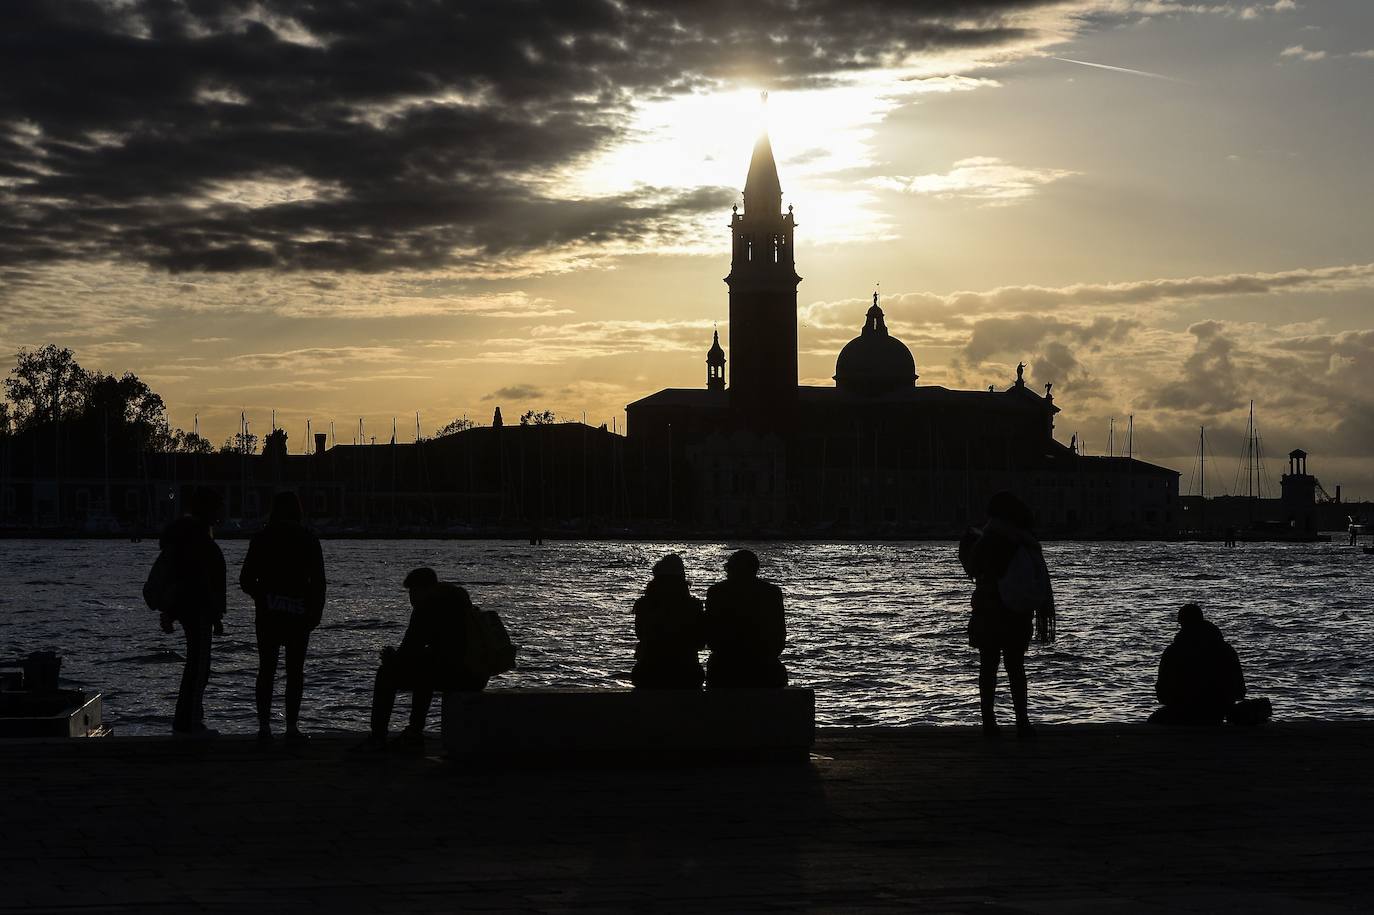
x: 1021, y: 334
x: 515, y: 392
x: 1056, y: 363
x: 1210, y: 381
x: 1331, y: 375
x: 417, y: 133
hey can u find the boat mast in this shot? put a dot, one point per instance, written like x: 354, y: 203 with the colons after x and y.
x: 1202, y: 460
x: 1202, y: 467
x: 1250, y: 463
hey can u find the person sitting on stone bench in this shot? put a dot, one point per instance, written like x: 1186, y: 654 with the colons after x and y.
x: 429, y: 657
x: 671, y: 628
x: 1200, y: 679
x: 745, y: 629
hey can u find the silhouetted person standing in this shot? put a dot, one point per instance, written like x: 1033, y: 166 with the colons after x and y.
x: 745, y: 629
x: 284, y: 574
x: 1012, y: 601
x: 195, y: 598
x: 1199, y: 675
x: 430, y: 657
x: 671, y: 628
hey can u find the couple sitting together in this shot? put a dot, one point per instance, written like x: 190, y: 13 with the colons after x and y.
x: 741, y: 623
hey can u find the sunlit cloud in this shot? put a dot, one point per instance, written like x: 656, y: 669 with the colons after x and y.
x: 310, y: 360
x: 104, y: 298
x: 1299, y: 52
x: 100, y: 350
x: 986, y: 179
x: 552, y: 344
x: 1255, y: 11
x: 256, y: 193
x: 919, y: 308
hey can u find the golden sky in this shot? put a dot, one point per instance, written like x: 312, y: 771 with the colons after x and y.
x: 1162, y: 207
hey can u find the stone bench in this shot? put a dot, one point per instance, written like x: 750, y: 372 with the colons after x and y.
x: 538, y: 727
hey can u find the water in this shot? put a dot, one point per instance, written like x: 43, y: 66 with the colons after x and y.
x: 878, y: 629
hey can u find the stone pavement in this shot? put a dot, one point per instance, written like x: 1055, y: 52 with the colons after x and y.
x: 1088, y: 819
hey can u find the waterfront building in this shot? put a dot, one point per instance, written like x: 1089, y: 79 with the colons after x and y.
x: 876, y: 452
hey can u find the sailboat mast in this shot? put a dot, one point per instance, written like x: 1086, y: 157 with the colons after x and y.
x: 1250, y: 454
x: 1250, y: 465
x: 1202, y: 460
x: 1202, y: 486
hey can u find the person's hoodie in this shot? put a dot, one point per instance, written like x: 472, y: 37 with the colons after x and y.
x: 285, y: 561
x: 195, y: 570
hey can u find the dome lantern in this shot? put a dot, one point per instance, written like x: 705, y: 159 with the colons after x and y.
x: 875, y: 362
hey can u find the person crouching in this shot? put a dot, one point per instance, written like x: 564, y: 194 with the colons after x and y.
x: 429, y: 657
x: 1200, y: 678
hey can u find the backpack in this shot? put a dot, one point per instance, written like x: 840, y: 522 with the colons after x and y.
x: 1024, y: 587
x: 159, y: 589
x: 966, y: 546
x: 489, y: 650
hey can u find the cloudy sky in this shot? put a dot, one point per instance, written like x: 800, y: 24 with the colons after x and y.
x: 377, y: 207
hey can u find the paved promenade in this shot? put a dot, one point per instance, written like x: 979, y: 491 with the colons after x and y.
x: 1088, y: 819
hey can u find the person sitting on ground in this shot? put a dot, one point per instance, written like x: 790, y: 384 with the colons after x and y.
x: 1200, y: 679
x: 284, y: 574
x: 1012, y: 601
x: 430, y: 657
x: 671, y: 628
x: 745, y: 629
x: 193, y: 594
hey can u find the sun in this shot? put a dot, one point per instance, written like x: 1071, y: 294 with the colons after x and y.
x: 705, y: 140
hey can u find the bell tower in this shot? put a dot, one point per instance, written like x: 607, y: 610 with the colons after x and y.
x: 763, y: 293
x: 715, y: 364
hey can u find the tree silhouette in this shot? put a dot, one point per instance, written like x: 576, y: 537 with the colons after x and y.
x: 190, y: 443
x: 240, y: 443
x: 45, y: 385
x: 461, y: 424
x: 540, y: 418
x: 48, y: 386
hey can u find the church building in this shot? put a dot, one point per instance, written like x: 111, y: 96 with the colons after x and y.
x: 874, y: 454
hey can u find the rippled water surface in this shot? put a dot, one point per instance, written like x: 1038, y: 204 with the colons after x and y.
x: 878, y: 629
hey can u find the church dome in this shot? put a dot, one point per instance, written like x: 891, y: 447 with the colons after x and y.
x: 875, y: 362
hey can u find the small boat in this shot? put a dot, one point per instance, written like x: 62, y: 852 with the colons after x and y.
x: 33, y: 705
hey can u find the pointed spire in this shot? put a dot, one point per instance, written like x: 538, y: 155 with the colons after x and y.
x: 762, y: 189
x: 715, y: 355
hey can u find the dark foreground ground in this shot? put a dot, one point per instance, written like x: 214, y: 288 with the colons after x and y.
x: 1091, y: 819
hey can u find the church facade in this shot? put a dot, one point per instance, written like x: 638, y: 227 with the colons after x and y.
x: 876, y: 453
